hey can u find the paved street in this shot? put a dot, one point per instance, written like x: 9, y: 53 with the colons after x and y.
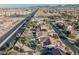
x: 64, y: 39
x: 11, y: 35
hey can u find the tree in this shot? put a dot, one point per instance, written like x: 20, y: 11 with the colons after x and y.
x: 51, y: 17
x: 45, y: 20
x: 16, y: 48
x: 55, y: 36
x: 32, y: 44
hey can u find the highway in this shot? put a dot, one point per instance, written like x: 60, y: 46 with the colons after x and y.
x: 64, y: 39
x: 13, y: 33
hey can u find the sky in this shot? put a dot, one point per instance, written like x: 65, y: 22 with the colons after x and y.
x: 22, y: 5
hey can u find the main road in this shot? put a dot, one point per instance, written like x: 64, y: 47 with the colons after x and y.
x: 64, y: 39
x: 12, y: 34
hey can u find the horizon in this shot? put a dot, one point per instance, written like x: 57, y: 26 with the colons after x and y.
x: 25, y: 5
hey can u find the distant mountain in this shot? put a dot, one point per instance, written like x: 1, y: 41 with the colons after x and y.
x: 72, y: 5
x: 47, y: 6
x: 58, y: 6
